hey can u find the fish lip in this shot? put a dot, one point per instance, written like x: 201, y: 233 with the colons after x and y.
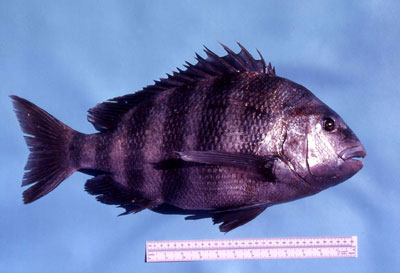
x: 352, y: 152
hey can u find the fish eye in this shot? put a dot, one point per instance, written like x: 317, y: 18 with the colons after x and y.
x: 329, y: 124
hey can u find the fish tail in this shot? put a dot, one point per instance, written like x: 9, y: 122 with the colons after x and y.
x: 48, y: 140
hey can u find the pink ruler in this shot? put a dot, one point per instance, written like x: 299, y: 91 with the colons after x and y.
x: 263, y: 248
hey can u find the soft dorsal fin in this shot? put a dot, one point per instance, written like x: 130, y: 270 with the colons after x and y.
x: 106, y: 115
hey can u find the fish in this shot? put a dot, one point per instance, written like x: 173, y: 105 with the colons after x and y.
x: 224, y: 138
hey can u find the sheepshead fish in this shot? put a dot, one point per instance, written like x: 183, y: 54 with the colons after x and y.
x: 225, y: 138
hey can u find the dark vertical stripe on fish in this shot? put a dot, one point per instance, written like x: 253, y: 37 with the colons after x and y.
x: 136, y: 125
x: 175, y: 129
x: 75, y: 149
x: 154, y: 149
x: 252, y: 123
x: 213, y: 116
x: 87, y: 156
x: 102, y: 152
x: 253, y: 116
x: 211, y: 134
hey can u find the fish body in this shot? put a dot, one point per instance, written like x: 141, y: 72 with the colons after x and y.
x: 225, y: 139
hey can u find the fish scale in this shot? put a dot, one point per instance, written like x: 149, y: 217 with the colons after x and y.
x: 224, y: 139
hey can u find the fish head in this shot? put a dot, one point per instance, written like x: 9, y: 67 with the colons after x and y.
x: 320, y: 147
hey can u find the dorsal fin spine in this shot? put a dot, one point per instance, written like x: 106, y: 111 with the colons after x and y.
x: 208, y: 66
x: 106, y: 115
x: 248, y: 58
x: 226, y: 65
x: 198, y: 73
x: 183, y: 77
x: 233, y: 56
x: 262, y: 59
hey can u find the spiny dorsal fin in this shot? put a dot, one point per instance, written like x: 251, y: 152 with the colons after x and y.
x: 106, y: 115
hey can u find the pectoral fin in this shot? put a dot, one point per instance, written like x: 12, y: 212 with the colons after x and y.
x: 255, y: 163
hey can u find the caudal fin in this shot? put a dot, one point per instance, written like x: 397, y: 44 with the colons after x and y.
x: 47, y: 139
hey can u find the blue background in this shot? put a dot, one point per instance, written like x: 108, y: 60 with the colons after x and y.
x: 66, y: 56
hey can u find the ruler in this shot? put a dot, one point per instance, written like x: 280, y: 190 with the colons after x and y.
x: 239, y: 249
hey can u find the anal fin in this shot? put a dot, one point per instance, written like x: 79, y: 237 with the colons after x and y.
x: 109, y: 191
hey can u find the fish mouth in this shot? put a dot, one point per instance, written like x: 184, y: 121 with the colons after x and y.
x: 349, y: 155
x: 353, y: 152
